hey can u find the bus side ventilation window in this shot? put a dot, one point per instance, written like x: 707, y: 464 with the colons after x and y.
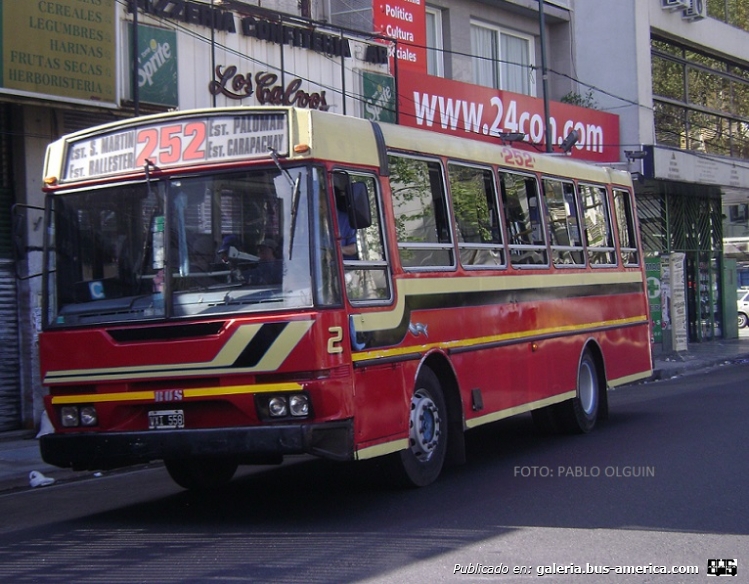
x: 626, y: 227
x: 476, y: 216
x: 420, y: 207
x: 599, y: 235
x: 562, y: 222
x: 522, y: 219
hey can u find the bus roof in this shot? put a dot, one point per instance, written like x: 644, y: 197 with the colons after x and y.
x: 117, y: 148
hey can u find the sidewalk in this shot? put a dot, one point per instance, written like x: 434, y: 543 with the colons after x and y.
x: 19, y: 450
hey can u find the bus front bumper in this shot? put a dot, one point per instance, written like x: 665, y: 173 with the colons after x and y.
x: 108, y: 450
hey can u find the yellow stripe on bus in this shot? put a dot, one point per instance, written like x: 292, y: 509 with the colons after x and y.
x: 187, y: 393
x: 387, y: 320
x: 382, y: 449
x: 516, y: 336
x: 501, y: 414
x: 221, y: 363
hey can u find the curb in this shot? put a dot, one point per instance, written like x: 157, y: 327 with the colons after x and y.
x: 686, y: 365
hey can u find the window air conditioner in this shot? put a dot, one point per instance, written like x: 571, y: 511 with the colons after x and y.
x: 675, y: 4
x: 697, y: 10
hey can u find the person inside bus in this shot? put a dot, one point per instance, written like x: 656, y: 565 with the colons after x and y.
x: 346, y: 233
x: 269, y: 269
x: 228, y: 252
x: 202, y: 254
x: 227, y: 243
x: 347, y: 237
x: 201, y: 259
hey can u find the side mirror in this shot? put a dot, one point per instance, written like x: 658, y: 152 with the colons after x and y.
x: 359, y: 210
x: 353, y: 198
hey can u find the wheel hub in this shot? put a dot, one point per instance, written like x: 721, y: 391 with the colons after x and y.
x: 588, y: 389
x: 425, y: 426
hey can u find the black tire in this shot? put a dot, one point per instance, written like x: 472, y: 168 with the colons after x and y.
x: 203, y: 474
x: 743, y: 320
x: 579, y: 414
x: 546, y: 419
x: 421, y: 463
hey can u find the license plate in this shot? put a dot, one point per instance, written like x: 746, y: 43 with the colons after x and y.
x: 166, y: 419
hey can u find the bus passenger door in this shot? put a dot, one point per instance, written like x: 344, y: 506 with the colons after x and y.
x: 369, y: 291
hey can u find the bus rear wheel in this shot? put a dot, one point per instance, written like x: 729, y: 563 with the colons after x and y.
x: 202, y: 474
x: 579, y: 414
x: 421, y: 463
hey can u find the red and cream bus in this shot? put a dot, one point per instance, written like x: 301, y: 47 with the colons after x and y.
x: 201, y: 306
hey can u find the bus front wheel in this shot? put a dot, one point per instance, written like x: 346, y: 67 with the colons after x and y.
x: 201, y: 474
x: 421, y: 463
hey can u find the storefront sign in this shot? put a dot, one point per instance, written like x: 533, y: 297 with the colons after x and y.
x: 405, y: 22
x: 653, y: 274
x: 232, y: 84
x: 273, y: 31
x: 177, y: 142
x: 484, y: 113
x: 157, y: 65
x: 378, y: 93
x: 59, y: 50
x: 677, y: 300
x: 682, y: 166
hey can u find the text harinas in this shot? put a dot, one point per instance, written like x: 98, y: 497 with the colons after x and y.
x: 271, y: 31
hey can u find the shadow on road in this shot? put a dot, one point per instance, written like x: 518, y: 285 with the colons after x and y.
x: 654, y: 466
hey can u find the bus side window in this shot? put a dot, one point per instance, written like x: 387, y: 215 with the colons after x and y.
x: 522, y: 219
x: 599, y: 236
x: 563, y: 225
x: 476, y: 215
x: 421, y: 213
x: 367, y: 276
x: 625, y: 222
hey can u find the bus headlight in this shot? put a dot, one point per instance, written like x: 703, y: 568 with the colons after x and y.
x: 299, y: 405
x: 287, y: 405
x: 277, y: 407
x: 69, y: 416
x: 88, y: 416
x: 74, y: 416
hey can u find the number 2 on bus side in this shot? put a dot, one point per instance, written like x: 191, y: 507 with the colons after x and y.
x: 172, y: 144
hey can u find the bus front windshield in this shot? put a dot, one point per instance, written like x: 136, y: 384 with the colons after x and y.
x: 188, y: 246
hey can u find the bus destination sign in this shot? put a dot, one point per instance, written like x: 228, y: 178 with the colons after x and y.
x: 177, y: 142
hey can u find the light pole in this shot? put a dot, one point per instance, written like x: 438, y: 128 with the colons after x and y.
x: 213, y: 50
x: 136, y: 96
x: 544, y: 75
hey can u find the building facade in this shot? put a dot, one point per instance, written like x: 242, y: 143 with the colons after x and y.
x: 69, y: 65
x: 677, y: 72
x: 535, y: 74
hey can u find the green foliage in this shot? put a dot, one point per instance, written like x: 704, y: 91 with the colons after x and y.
x: 586, y: 100
x: 412, y: 197
x: 470, y: 204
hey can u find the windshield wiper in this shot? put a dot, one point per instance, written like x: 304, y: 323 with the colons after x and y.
x: 294, y: 183
x: 294, y: 209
